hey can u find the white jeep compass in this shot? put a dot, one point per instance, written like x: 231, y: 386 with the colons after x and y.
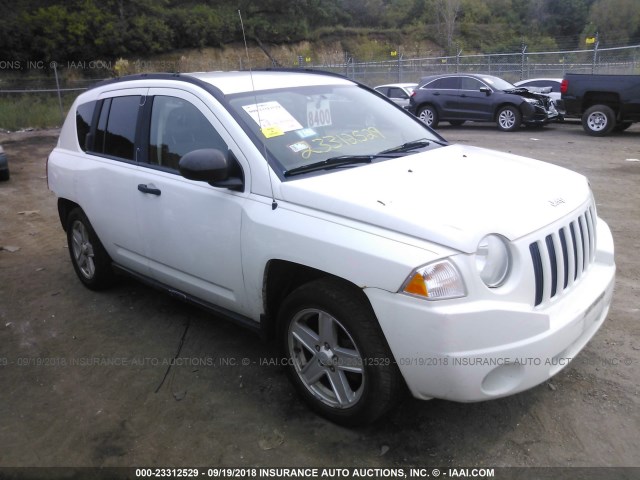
x: 315, y: 211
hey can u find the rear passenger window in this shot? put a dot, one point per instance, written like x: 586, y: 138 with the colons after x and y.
x: 84, y: 116
x: 177, y: 128
x: 116, y: 129
x: 397, y: 93
x: 446, y: 83
x: 101, y: 129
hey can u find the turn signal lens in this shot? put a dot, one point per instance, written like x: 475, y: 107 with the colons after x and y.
x: 436, y: 281
x: 417, y: 286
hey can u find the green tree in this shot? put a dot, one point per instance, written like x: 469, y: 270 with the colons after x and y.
x: 196, y: 27
x: 616, y: 21
x: 57, y: 33
x: 568, y: 17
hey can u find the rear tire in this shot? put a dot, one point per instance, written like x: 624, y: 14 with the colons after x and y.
x: 4, y: 175
x: 429, y: 116
x: 598, y: 120
x: 336, y: 354
x: 89, y: 258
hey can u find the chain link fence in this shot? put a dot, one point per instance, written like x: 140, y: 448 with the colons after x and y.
x: 26, y: 91
x: 510, y: 66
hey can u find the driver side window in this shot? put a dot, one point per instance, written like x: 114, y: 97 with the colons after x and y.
x: 177, y: 128
x: 469, y: 83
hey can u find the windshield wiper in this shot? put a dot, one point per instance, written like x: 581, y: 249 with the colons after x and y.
x: 407, y: 147
x: 333, y: 162
x: 346, y: 160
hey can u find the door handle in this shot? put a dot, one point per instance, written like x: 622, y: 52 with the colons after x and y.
x: 144, y: 189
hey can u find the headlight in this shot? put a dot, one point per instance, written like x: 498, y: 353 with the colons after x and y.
x: 533, y: 101
x: 436, y: 281
x: 493, y: 260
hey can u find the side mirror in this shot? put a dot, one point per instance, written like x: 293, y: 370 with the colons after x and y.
x: 206, y: 165
x: 486, y: 90
x: 211, y: 166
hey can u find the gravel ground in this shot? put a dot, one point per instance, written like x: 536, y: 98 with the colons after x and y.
x: 84, y: 379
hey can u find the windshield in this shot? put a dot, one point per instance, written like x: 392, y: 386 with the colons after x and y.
x: 309, y: 125
x: 498, y: 83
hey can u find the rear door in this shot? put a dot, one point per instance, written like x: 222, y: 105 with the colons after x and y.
x: 191, y: 229
x: 108, y: 182
x: 445, y: 95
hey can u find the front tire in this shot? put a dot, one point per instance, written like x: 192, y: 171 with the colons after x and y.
x: 89, y: 258
x: 336, y: 354
x: 509, y: 118
x: 598, y: 120
x: 429, y: 115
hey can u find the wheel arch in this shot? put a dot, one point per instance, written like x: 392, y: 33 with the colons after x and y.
x: 281, y: 277
x: 610, y: 99
x: 65, y: 207
x: 503, y: 104
x: 429, y: 103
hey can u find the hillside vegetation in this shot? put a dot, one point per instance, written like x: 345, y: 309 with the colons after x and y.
x: 86, y: 30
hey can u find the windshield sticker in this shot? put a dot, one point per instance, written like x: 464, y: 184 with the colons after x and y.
x: 318, y: 113
x: 306, y: 133
x: 274, y: 131
x: 299, y: 147
x: 273, y: 118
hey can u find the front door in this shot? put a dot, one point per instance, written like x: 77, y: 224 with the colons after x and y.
x: 191, y: 229
x: 474, y: 104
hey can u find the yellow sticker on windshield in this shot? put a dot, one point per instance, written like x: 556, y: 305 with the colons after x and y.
x: 273, y: 131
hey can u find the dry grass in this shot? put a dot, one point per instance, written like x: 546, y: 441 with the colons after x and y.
x: 33, y: 110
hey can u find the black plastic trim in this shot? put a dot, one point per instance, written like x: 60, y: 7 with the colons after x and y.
x: 554, y: 265
x: 225, y: 314
x: 537, y: 270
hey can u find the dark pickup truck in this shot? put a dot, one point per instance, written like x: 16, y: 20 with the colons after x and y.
x: 603, y: 102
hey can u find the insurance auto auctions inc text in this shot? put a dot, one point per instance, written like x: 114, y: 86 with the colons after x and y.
x: 374, y: 472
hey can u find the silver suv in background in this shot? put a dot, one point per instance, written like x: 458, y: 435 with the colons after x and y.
x: 399, y: 93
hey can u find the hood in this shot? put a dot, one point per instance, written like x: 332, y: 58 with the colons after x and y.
x: 452, y: 195
x: 545, y: 90
x: 526, y: 92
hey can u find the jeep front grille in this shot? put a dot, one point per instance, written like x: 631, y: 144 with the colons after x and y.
x: 561, y: 258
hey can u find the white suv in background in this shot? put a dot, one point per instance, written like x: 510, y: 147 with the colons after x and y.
x: 308, y: 208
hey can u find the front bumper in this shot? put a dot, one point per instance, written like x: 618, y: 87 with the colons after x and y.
x: 470, y: 350
x: 538, y: 115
